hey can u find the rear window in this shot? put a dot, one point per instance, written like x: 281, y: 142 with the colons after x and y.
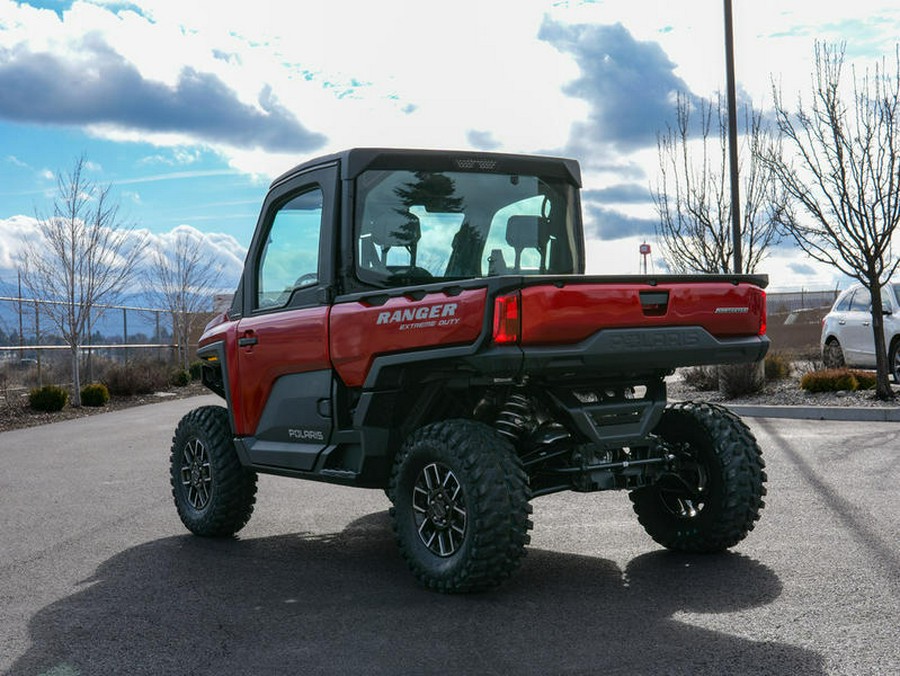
x: 416, y: 226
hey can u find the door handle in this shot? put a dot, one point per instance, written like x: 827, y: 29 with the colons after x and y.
x: 248, y: 340
x: 842, y: 322
x: 865, y: 323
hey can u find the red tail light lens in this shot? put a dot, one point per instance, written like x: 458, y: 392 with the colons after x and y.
x: 762, y: 314
x: 507, y: 319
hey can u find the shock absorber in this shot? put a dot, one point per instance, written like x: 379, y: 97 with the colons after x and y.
x: 515, y: 417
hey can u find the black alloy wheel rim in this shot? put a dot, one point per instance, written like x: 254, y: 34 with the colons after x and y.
x: 439, y: 509
x: 195, y: 474
x: 687, y: 498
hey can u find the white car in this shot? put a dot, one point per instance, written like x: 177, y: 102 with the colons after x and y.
x: 847, y: 337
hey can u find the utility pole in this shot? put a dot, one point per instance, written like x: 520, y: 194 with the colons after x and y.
x: 732, y: 140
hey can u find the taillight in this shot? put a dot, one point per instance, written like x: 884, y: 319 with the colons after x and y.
x: 762, y: 314
x: 507, y: 319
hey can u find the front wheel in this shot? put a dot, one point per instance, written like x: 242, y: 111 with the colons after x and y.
x: 711, y: 496
x: 214, y: 494
x: 894, y: 360
x: 461, y: 506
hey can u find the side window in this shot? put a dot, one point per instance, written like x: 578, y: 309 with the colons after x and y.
x: 886, y: 304
x: 861, y: 301
x: 844, y: 303
x: 290, y: 257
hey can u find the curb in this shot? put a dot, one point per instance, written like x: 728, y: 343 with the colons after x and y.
x: 847, y: 413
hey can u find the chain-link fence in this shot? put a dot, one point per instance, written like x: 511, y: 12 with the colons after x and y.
x: 795, y: 320
x: 33, y: 351
x: 789, y: 301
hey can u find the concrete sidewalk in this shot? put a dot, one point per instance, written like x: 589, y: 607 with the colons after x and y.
x: 851, y: 413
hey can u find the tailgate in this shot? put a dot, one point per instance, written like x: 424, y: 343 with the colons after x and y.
x: 568, y: 313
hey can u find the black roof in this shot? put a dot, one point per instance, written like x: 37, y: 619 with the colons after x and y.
x: 357, y: 160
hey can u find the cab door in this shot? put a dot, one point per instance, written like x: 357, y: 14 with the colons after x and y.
x: 284, y: 366
x: 856, y: 328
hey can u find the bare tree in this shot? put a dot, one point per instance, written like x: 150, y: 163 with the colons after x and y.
x: 693, y: 193
x: 182, y: 280
x: 839, y: 160
x: 84, y: 256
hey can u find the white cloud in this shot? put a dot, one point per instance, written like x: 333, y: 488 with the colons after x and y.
x: 402, y: 73
x: 15, y: 161
x: 423, y: 78
x: 224, y: 249
x: 13, y: 231
x: 621, y: 256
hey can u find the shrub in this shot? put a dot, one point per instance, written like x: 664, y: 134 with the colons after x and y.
x: 127, y: 380
x: 867, y: 379
x: 49, y: 398
x: 830, y: 380
x: 737, y: 380
x: 180, y: 378
x: 703, y: 378
x: 196, y: 370
x: 777, y: 366
x: 94, y: 394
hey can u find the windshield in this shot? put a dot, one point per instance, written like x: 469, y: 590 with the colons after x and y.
x: 413, y: 226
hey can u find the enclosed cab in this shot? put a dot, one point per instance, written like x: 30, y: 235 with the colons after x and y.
x: 420, y: 322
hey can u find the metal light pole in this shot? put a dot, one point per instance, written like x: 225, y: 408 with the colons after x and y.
x: 732, y: 140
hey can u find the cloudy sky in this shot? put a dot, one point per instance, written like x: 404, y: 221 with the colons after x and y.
x: 190, y: 108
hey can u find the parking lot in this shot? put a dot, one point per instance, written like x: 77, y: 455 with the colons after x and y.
x: 98, y: 576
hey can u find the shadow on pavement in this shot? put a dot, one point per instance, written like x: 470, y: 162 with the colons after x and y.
x: 881, y: 549
x: 345, y: 603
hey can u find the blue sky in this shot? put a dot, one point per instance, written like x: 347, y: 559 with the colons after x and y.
x: 189, y: 109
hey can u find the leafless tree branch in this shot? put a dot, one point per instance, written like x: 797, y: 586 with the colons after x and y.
x: 85, y: 255
x: 182, y: 280
x: 837, y: 158
x: 693, y: 197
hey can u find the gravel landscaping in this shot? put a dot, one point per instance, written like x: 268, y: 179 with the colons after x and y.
x: 15, y: 413
x: 784, y: 392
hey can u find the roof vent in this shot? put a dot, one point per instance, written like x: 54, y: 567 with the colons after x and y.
x: 476, y: 163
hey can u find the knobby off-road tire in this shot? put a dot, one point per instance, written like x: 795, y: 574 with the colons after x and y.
x: 461, y: 506
x: 712, y: 498
x: 213, y: 492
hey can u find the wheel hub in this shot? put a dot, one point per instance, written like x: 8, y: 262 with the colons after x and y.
x: 439, y: 509
x: 195, y: 474
x: 683, y: 490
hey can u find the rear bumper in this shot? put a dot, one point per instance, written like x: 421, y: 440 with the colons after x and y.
x: 643, y: 349
x: 610, y: 353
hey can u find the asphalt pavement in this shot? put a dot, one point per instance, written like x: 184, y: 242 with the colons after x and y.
x: 98, y: 576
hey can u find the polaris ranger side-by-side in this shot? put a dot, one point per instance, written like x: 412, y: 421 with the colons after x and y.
x: 420, y: 322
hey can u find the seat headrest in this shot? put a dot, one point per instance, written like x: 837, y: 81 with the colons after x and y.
x: 526, y: 232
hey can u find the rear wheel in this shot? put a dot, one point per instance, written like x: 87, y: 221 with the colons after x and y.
x: 214, y: 494
x: 832, y: 354
x: 712, y: 495
x: 461, y: 506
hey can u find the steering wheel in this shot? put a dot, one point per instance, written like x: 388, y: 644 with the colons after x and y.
x: 305, y: 279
